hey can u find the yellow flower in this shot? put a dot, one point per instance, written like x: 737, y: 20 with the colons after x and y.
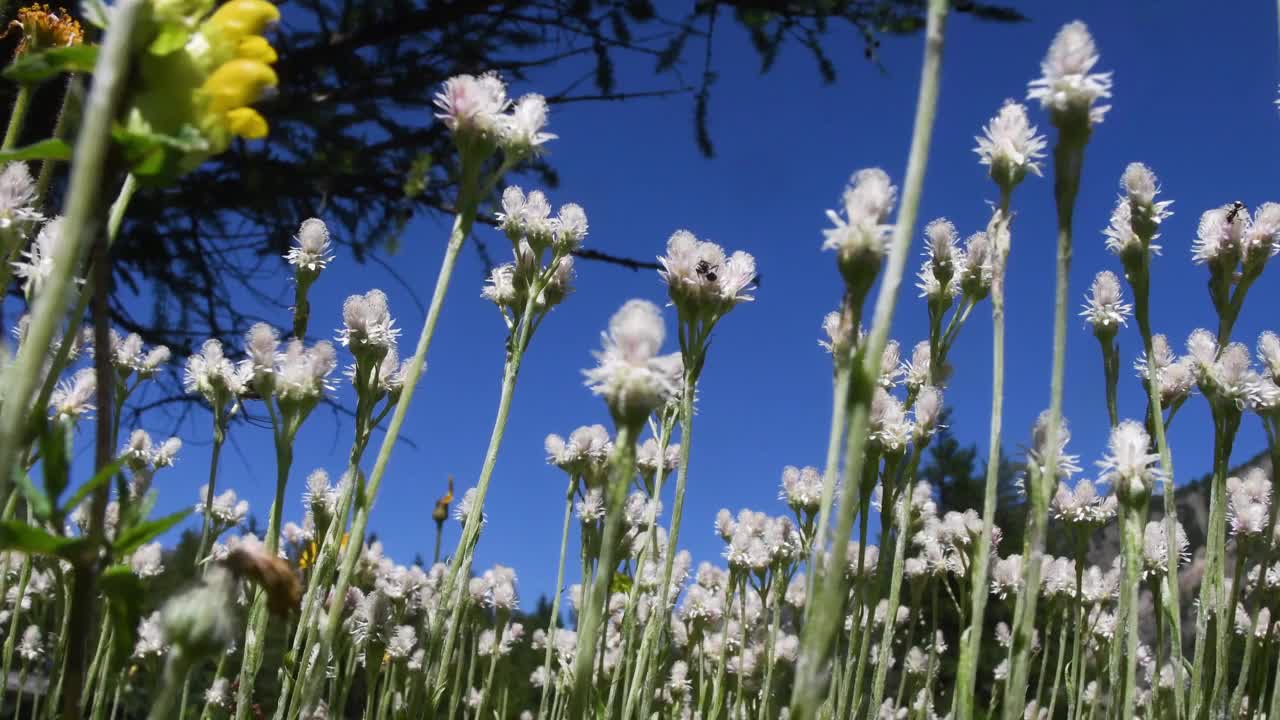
x: 236, y: 84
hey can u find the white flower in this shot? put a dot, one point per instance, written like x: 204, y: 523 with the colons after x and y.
x: 1067, y: 86
x: 1105, y: 308
x: 73, y: 398
x: 151, y: 640
x: 218, y: 693
x: 1145, y: 214
x: 1155, y: 549
x: 401, y: 644
x: 1262, y: 239
x: 31, y: 648
x: 862, y: 232
x: 226, y: 508
x: 17, y: 195
x: 38, y: 258
x: 303, y: 372
x: 1010, y: 145
x: 367, y: 322
x: 1006, y: 576
x: 473, y: 104
x: 501, y: 288
x: 839, y: 334
x: 146, y: 561
x: 701, y: 279
x: 631, y: 376
x: 1083, y: 505
x: 211, y: 374
x: 311, y: 254
x: 463, y: 510
x: 802, y: 488
x: 1269, y: 353
x: 1220, y: 235
x: 522, y: 130
x: 1038, y: 453
x: 1129, y: 466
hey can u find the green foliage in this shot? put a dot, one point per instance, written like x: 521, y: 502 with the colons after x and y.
x: 51, y: 149
x: 41, y: 65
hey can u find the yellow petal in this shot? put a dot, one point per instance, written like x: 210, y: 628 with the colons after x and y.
x: 247, y: 123
x: 256, y: 47
x: 241, y: 18
x: 237, y: 83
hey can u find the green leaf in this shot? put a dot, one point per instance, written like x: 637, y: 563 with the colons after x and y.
x: 170, y: 38
x: 102, y: 477
x: 51, y: 149
x: 15, y: 535
x: 124, y: 592
x: 38, y: 66
x: 142, y: 533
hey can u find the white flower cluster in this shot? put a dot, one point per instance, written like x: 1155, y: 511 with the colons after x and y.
x: 702, y: 281
x: 478, y: 109
x: 632, y: 378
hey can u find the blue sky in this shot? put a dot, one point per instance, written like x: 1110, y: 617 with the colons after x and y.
x: 1194, y: 93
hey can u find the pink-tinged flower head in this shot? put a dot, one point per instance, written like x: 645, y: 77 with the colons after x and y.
x: 1262, y: 238
x: 1010, y: 146
x: 1067, y: 86
x: 473, y: 104
x: 701, y: 280
x: 367, y: 322
x: 631, y: 376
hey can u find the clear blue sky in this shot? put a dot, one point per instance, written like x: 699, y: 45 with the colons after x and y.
x: 1194, y: 93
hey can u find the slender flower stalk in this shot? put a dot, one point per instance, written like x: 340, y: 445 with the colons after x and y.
x: 824, y: 614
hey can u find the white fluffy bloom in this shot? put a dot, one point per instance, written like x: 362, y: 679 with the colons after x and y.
x: 522, y: 130
x: 631, y: 376
x: 1083, y: 505
x: 37, y: 260
x: 367, y: 322
x: 211, y: 374
x: 839, y: 334
x: 1220, y: 235
x: 701, y: 279
x: 73, y: 398
x: 31, y: 647
x: 1067, y: 85
x: 1129, y: 465
x: 801, y: 488
x: 1009, y: 145
x: 1105, y: 308
x: 1155, y: 548
x: 861, y: 232
x: 470, y: 104
x: 303, y: 372
x: 17, y: 195
x: 147, y: 561
x: 311, y: 253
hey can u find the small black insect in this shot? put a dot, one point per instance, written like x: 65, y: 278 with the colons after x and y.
x: 1236, y: 207
x: 706, y: 270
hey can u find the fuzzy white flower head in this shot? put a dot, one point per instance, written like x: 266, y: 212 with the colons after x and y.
x: 633, y: 379
x: 211, y: 374
x: 38, y: 259
x: 1145, y: 213
x: 367, y: 322
x: 571, y: 227
x: 890, y: 428
x: 1155, y: 548
x: 1083, y: 505
x: 311, y: 253
x: 522, y: 131
x: 1041, y: 445
x: 1262, y: 239
x: 839, y: 335
x: 147, y: 561
x: 918, y: 371
x: 1269, y: 353
x: 801, y: 488
x: 463, y: 510
x: 17, y: 195
x: 1067, y: 86
x: 470, y: 104
x: 861, y: 234
x: 1010, y: 146
x: 1130, y: 466
x: 1248, y: 504
x: 31, y: 647
x: 928, y: 411
x: 73, y: 398
x: 701, y: 279
x: 303, y: 372
x: 1220, y: 235
x: 978, y: 270
x: 1105, y: 309
x: 1006, y: 576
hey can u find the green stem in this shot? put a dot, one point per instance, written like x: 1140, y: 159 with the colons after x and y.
x: 824, y: 615
x: 1068, y: 162
x: 622, y: 469
x: 20, y: 104
x: 554, y: 623
x: 971, y: 639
